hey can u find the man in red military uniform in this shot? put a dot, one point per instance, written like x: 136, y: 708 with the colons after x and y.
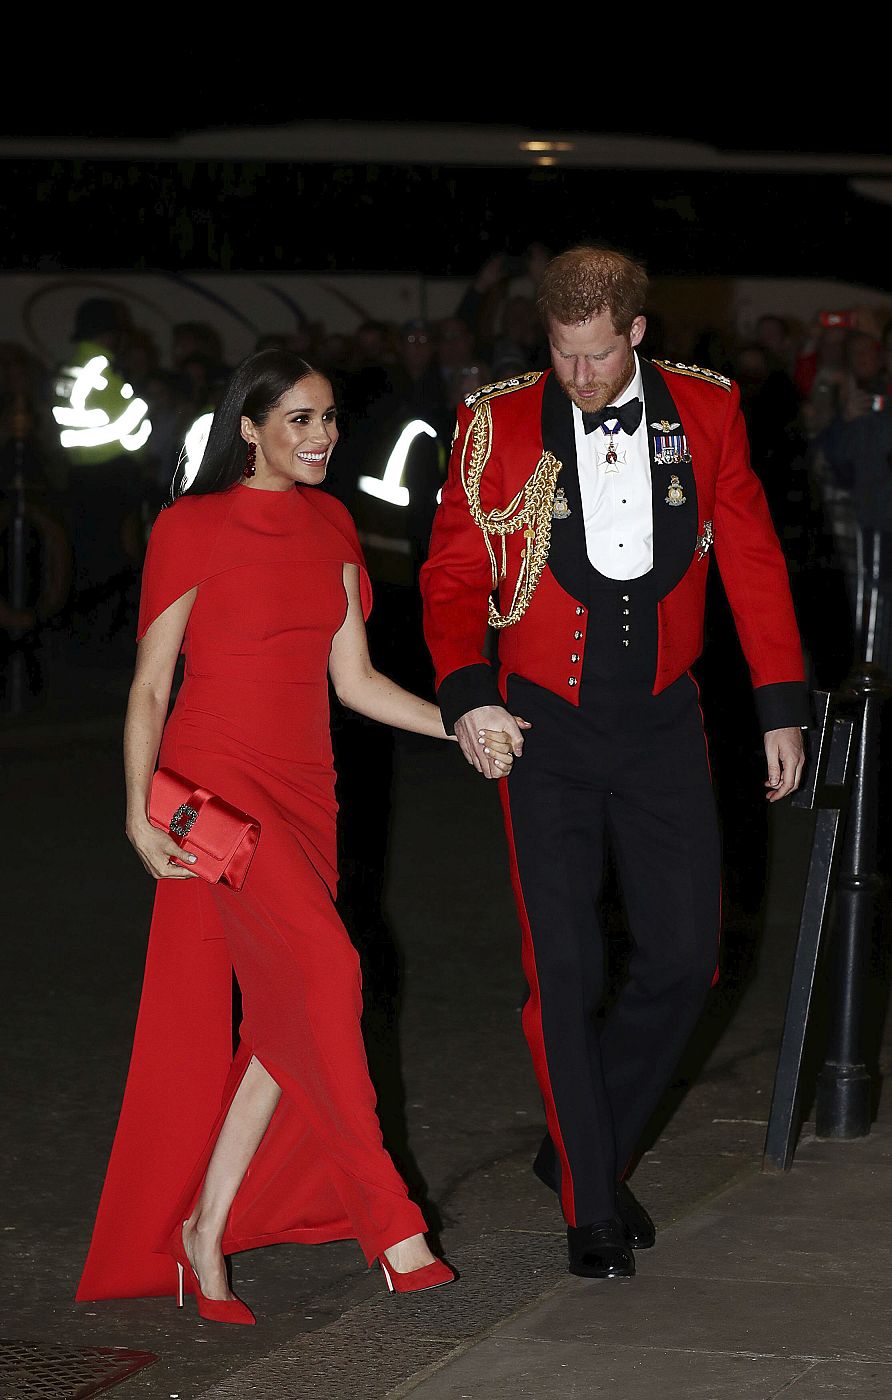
x: 588, y: 500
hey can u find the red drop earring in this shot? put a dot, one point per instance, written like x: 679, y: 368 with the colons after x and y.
x: 251, y: 460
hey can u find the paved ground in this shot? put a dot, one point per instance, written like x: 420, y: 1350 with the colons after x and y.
x: 759, y: 1286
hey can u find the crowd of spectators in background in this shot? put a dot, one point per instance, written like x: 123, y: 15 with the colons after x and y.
x: 816, y: 399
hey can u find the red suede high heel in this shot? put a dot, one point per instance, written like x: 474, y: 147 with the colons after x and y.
x: 431, y: 1276
x: 212, y: 1309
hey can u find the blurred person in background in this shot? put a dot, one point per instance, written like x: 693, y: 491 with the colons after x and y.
x: 770, y: 405
x: 333, y: 353
x: 499, y: 310
x: 103, y: 429
x: 417, y: 385
x: 172, y: 411
x: 366, y: 380
x: 195, y: 338
x: 519, y: 345
x: 773, y: 334
x: 819, y: 372
x: 35, y: 567
x: 455, y: 344
x: 857, y: 450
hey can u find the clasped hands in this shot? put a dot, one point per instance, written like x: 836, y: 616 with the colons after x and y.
x: 491, y: 739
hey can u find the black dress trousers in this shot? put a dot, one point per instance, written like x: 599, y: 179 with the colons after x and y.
x: 630, y: 768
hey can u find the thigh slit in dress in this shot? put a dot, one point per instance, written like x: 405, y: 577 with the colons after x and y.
x: 251, y: 722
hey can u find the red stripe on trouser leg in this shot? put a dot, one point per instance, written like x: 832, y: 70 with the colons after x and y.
x: 532, y: 1018
x: 717, y: 974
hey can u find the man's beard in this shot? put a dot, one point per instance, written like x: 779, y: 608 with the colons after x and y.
x: 607, y: 393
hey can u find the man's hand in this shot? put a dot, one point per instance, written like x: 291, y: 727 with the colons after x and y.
x: 471, y: 729
x: 785, y: 753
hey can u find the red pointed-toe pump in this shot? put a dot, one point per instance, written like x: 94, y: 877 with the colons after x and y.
x: 431, y: 1276
x: 212, y: 1309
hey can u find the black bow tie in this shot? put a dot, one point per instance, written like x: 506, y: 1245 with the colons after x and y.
x: 628, y: 416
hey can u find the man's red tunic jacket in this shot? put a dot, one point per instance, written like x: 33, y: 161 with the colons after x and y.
x: 723, y: 503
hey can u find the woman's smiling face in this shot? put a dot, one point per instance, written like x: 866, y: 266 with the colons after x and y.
x: 296, y: 440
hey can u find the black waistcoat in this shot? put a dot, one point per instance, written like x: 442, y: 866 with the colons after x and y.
x: 620, y: 611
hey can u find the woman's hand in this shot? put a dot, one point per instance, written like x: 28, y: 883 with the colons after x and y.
x: 155, y: 849
x: 498, y: 746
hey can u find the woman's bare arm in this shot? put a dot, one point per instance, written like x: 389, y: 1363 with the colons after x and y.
x: 156, y: 659
x: 360, y: 687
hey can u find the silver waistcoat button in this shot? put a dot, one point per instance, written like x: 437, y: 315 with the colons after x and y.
x: 571, y: 681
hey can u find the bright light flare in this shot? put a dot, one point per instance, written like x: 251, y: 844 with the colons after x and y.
x: 390, y: 487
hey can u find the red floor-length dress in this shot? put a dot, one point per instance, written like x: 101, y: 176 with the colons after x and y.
x: 251, y: 722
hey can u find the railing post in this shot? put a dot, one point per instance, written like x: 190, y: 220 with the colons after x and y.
x: 843, y: 1098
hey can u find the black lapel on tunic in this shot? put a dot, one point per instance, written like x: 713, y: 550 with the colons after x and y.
x: 675, y: 526
x: 567, y: 556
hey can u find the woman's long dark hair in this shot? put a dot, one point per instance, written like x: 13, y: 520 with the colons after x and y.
x: 253, y: 390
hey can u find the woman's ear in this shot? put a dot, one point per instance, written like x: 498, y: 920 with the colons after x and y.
x: 247, y: 429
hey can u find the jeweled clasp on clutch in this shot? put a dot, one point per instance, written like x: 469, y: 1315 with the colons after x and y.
x: 183, y: 820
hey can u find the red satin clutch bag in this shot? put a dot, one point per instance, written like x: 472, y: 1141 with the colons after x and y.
x: 221, y: 837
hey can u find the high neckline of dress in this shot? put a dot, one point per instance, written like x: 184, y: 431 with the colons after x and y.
x: 266, y: 490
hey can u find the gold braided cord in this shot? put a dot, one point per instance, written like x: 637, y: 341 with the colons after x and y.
x: 530, y: 510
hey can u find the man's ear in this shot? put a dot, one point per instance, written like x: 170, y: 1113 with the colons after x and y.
x: 636, y: 331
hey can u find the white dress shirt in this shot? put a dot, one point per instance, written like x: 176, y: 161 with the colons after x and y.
x: 617, y: 504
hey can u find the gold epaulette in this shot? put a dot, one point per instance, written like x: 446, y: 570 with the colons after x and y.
x: 530, y: 509
x: 504, y: 386
x: 706, y: 376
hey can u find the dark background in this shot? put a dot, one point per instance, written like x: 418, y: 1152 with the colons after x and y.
x: 138, y: 214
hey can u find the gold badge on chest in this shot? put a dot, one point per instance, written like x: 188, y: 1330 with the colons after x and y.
x: 561, y: 508
x: 675, y: 495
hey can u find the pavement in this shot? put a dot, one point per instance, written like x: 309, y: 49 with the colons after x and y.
x: 760, y: 1284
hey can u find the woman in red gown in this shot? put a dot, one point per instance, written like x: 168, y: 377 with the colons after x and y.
x: 259, y: 579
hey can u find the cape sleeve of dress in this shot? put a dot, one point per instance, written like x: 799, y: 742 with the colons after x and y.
x: 180, y: 554
x: 340, y: 518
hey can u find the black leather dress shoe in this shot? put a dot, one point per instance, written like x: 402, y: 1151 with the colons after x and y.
x: 637, y: 1227
x: 599, y: 1251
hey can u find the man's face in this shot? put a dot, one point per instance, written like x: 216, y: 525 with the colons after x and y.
x: 592, y: 362
x: 455, y: 344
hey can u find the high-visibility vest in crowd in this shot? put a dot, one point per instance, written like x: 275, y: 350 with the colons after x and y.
x: 98, y: 415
